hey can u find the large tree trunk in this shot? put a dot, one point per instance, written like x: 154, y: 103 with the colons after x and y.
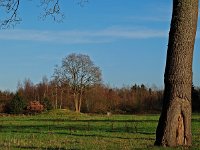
x: 174, y: 127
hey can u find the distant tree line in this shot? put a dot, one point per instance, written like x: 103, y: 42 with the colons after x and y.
x: 46, y: 95
x: 76, y: 85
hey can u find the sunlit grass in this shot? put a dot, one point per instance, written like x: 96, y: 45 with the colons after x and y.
x: 62, y: 129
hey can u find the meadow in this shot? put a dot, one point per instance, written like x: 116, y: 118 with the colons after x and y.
x: 65, y: 130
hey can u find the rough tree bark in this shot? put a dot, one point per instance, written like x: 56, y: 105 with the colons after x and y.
x: 174, y: 127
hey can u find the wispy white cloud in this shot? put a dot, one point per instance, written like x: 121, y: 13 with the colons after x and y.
x: 82, y: 37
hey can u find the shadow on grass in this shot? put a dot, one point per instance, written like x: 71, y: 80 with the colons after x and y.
x: 46, y: 148
x: 70, y: 128
x: 196, y: 120
x: 83, y: 130
x: 109, y: 136
x: 95, y: 120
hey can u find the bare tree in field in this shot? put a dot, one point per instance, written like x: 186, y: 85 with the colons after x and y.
x: 174, y: 127
x: 79, y: 72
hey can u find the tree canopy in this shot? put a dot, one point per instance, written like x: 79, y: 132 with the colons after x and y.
x: 79, y: 72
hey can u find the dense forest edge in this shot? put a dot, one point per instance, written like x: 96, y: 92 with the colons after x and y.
x: 77, y: 85
x: 99, y: 99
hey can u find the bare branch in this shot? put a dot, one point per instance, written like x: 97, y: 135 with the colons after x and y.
x: 51, y: 8
x: 11, y: 7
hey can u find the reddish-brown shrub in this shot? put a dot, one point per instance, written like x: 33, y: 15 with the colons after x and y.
x: 35, y: 107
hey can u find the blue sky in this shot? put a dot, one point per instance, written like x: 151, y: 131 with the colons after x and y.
x: 126, y: 39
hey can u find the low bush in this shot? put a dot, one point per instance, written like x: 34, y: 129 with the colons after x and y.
x: 34, y: 107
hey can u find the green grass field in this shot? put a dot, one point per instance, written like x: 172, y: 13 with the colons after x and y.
x: 65, y: 130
